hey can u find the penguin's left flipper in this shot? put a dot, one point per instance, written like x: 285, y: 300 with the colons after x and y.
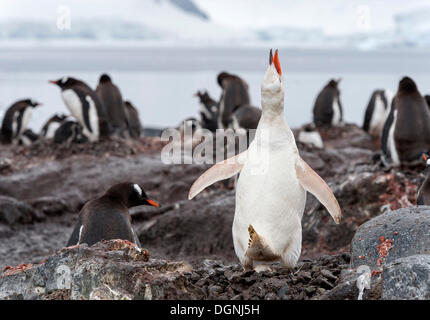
x: 74, y: 238
x: 220, y: 171
x: 313, y: 183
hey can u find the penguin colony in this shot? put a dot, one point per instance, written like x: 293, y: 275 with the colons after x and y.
x: 270, y: 202
x: 93, y: 114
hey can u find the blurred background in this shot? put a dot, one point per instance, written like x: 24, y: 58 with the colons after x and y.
x: 160, y: 52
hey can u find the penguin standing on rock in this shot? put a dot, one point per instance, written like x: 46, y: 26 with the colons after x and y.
x: 328, y: 108
x: 424, y: 191
x: 406, y: 133
x: 85, y: 106
x: 134, y: 125
x: 271, y: 189
x: 111, y: 98
x: 377, y: 112
x: 53, y: 123
x: 234, y: 94
x: 16, y: 119
x: 108, y: 218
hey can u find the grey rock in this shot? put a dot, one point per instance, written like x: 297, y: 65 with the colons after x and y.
x: 408, y: 228
x: 407, y: 279
x: 13, y: 211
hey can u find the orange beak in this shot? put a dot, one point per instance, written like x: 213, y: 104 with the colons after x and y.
x: 153, y: 203
x: 52, y: 81
x: 277, y: 63
x: 425, y: 157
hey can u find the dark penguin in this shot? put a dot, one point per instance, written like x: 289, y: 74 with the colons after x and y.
x: 108, y: 218
x: 424, y: 191
x: 69, y: 132
x: 377, y: 112
x: 244, y: 119
x: 85, y: 106
x: 111, y: 98
x: 208, y: 111
x: 234, y: 94
x: 406, y: 133
x: 134, y: 125
x: 50, y: 126
x: 328, y: 108
x: 427, y: 97
x: 16, y: 119
x: 28, y: 137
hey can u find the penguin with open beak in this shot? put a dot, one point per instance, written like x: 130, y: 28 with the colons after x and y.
x: 271, y: 189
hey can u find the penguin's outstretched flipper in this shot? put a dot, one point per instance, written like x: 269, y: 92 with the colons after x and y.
x: 313, y: 183
x: 220, y: 171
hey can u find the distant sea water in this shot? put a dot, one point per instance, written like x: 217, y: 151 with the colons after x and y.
x: 161, y: 81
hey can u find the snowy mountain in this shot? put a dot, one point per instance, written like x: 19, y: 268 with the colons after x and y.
x: 316, y: 23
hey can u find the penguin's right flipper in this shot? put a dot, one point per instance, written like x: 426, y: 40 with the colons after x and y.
x: 312, y: 182
x: 220, y: 171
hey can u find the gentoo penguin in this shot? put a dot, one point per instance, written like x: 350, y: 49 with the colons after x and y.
x: 377, y: 112
x: 108, y: 218
x: 406, y: 133
x: 328, y: 108
x: 16, y: 119
x: 111, y: 98
x: 132, y: 118
x: 271, y: 190
x: 245, y: 117
x: 424, y: 191
x: 85, y: 106
x: 70, y: 131
x: 28, y: 137
x: 208, y: 111
x: 53, y: 123
x: 234, y: 94
x: 310, y: 135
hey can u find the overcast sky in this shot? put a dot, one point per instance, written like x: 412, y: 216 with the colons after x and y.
x: 333, y: 16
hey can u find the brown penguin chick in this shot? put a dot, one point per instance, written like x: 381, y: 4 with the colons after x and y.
x: 134, y: 125
x: 424, y: 191
x: 328, y: 108
x: 234, y: 94
x: 412, y: 127
x: 108, y: 218
x: 111, y: 98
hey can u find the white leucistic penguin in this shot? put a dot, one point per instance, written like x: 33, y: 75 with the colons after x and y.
x: 16, y: 119
x: 271, y: 190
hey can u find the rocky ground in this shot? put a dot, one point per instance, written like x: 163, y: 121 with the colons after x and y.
x: 43, y: 187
